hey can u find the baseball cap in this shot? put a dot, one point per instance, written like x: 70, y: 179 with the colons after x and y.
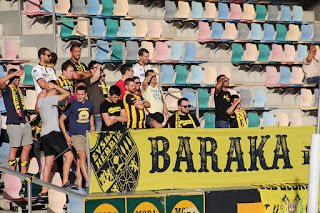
x: 157, y: 116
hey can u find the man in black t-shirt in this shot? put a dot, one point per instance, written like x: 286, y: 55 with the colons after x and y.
x: 113, y: 111
x: 222, y: 101
x: 182, y: 118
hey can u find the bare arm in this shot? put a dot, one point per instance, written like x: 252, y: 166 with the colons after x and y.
x: 64, y: 93
x: 80, y: 75
x: 6, y: 78
x: 147, y: 80
x: 220, y: 83
x: 140, y: 104
x: 122, y: 117
x: 232, y: 107
x: 63, y: 128
x: 96, y: 75
x: 92, y: 128
x: 42, y: 83
x: 107, y: 120
x: 41, y: 95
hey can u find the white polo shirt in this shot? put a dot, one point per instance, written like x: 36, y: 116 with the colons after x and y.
x: 39, y: 72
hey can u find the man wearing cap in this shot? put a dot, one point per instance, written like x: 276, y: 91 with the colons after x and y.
x: 156, y: 120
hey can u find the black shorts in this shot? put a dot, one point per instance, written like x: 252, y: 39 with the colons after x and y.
x: 54, y: 143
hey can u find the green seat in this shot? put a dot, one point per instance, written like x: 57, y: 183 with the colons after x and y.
x: 35, y: 188
x: 261, y: 12
x: 67, y: 28
x: 237, y: 53
x: 210, y: 119
x: 254, y: 120
x: 28, y: 75
x: 203, y: 97
x: 281, y: 32
x: 182, y: 74
x: 112, y: 28
x: 264, y: 52
x: 116, y: 51
x: 107, y: 7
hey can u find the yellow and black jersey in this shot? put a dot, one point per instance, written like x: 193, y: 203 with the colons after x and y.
x: 79, y: 66
x: 136, y: 117
x: 66, y: 84
x: 238, y: 119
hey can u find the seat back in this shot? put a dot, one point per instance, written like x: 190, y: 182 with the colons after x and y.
x: 122, y: 8
x: 10, y: 50
x: 251, y: 53
x: 196, y: 74
x: 183, y: 9
x: 248, y: 12
x: 28, y: 79
x: 116, y: 53
x: 155, y: 29
x: 295, y: 119
x: 203, y: 97
x: 141, y: 28
x: 204, y: 30
x: 285, y: 13
x: 82, y: 29
x: 306, y: 33
x: 223, y: 10
x: 98, y: 27
x: 66, y: 28
x: 276, y: 53
x: 190, y: 96
x: 126, y: 28
x: 102, y: 50
x: 306, y: 98
x: 261, y: 12
x: 162, y: 51
x: 46, y: 6
x: 243, y: 31
x: 268, y: 32
x: 285, y: 75
x: 78, y: 6
x: 171, y: 10
x: 289, y: 53
x: 93, y: 7
x: 132, y: 50
x: 237, y: 53
x: 63, y: 6
x: 230, y: 31
x: 209, y: 119
x: 273, y: 13
x: 210, y: 75
x: 297, y: 75
x: 107, y: 7
x: 256, y: 31
x: 316, y: 33
x: 210, y: 10
x: 217, y: 30
x: 167, y: 74
x: 112, y: 28
x: 253, y: 119
x: 176, y: 51
x: 149, y: 46
x: 302, y: 52
x: 181, y: 74
x: 171, y: 99
x: 268, y: 119
x: 246, y: 97
x: 272, y: 75
x: 197, y: 9
x: 32, y: 6
x: 259, y: 98
x: 281, y: 32
x: 297, y: 13
x: 235, y: 11
x: 283, y: 119
x: 293, y: 33
x: 190, y: 51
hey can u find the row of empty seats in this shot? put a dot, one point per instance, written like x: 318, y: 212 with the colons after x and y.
x: 286, y: 76
x: 232, y: 11
x: 280, y: 34
x: 10, y: 53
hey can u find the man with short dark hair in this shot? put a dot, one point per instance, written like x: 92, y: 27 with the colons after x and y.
x: 137, y: 81
x: 80, y: 120
x: 182, y: 118
x: 65, y: 80
x: 237, y: 116
x: 311, y: 66
x: 141, y: 67
x: 222, y: 101
x: 127, y: 72
x: 97, y: 91
x: 135, y: 106
x: 42, y: 73
x: 113, y: 111
x: 81, y: 70
x: 53, y: 61
x: 18, y: 127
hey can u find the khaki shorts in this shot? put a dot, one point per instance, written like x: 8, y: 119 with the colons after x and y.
x: 19, y: 134
x: 79, y: 142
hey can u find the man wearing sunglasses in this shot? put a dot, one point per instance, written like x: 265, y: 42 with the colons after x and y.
x: 42, y: 73
x: 182, y: 118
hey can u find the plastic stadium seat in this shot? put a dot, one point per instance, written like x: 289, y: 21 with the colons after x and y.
x: 243, y: 31
x: 126, y: 28
x: 10, y: 50
x: 167, y: 74
x: 209, y: 119
x: 116, y: 53
x: 316, y: 97
x: 63, y: 6
x: 107, y: 7
x: 155, y: 29
x: 141, y: 28
x: 171, y: 10
x: 224, y: 71
x: 306, y: 98
x: 272, y: 76
x: 230, y: 31
x: 268, y: 119
x: 190, y: 51
x: 210, y: 10
x: 204, y: 31
x: 171, y: 99
x: 223, y: 10
x: 261, y: 12
x: 122, y: 8
x: 306, y: 33
x: 285, y: 13
x: 28, y: 79
x: 259, y: 98
x: 297, y: 13
x: 183, y: 9
x: 285, y: 75
x: 237, y: 53
x: 210, y: 75
x: 276, y: 53
x: 112, y: 28
x: 268, y: 32
x: 31, y: 99
x: 281, y: 32
x: 295, y: 119
x: 98, y: 27
x: 132, y: 50
x: 176, y: 51
x: 196, y: 74
x: 251, y: 52
x: 78, y: 6
x: 273, y: 13
x: 46, y: 6
x: 316, y: 33
x: 289, y: 53
x: 82, y: 27
x: 197, y: 9
x: 302, y: 52
x: 102, y: 51
x: 211, y: 103
x: 75, y: 204
x: 248, y: 11
x: 235, y: 11
x: 246, y: 98
x: 66, y: 29
x: 12, y: 187
x: 217, y: 30
x: 57, y: 199
x: 256, y: 31
x: 149, y: 46
x: 253, y: 119
x: 162, y: 51
x: 93, y: 7
x: 182, y: 74
x: 32, y: 7
x: 11, y: 66
x: 203, y: 97
x: 297, y: 75
x: 283, y: 119
x: 190, y: 96
x: 293, y: 33
x: 2, y: 71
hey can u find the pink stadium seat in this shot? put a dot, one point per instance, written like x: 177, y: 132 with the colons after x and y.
x: 12, y: 187
x: 33, y: 8
x: 211, y: 103
x: 276, y: 53
x: 272, y: 76
x: 155, y: 29
x: 235, y: 11
x: 297, y: 75
x: 183, y: 9
x: 141, y: 28
x: 33, y: 165
x: 11, y: 66
x: 149, y: 46
x: 204, y: 31
x: 210, y: 10
x: 10, y: 50
x: 251, y: 52
x: 162, y: 51
x: 122, y: 8
x: 289, y: 53
x: 63, y: 6
x: 248, y: 12
x: 283, y: 119
x: 230, y: 31
x: 295, y: 119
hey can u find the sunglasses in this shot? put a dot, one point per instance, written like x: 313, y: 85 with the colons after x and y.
x: 103, y: 75
x: 186, y: 106
x: 138, y: 82
x: 48, y: 55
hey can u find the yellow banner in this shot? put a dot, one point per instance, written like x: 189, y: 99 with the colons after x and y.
x: 157, y: 159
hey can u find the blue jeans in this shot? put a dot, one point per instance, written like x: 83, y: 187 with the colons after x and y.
x: 97, y: 122
x: 222, y: 124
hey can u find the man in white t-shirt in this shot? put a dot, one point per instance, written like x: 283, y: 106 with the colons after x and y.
x: 140, y: 68
x: 42, y: 73
x: 311, y: 66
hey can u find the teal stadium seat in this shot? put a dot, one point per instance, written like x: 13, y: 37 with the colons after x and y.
x: 209, y: 119
x: 237, y: 53
x: 112, y: 28
x: 28, y: 79
x: 107, y: 7
x: 203, y: 96
x: 116, y: 51
x: 261, y: 12
x: 281, y: 32
x: 181, y: 74
x: 264, y: 52
x: 253, y: 119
